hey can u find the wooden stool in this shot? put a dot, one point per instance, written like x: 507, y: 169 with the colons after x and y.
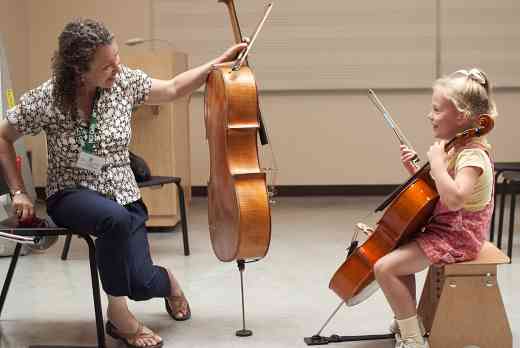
x: 461, y: 304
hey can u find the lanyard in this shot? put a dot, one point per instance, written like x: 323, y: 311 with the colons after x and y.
x: 88, y: 135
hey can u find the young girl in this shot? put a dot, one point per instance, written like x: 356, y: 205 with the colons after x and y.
x: 464, y: 181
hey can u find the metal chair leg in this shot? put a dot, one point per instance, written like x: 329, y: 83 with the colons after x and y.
x: 95, y: 291
x: 9, y: 276
x: 493, y: 215
x: 511, y: 224
x: 66, y: 247
x: 505, y: 188
x: 184, y: 221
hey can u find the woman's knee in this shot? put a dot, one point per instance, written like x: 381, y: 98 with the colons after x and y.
x: 116, y: 225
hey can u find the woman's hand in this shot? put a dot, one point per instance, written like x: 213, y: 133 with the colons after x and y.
x: 407, y: 155
x: 23, y: 206
x: 232, y: 52
x: 438, y: 157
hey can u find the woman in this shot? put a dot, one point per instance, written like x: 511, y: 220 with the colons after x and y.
x: 85, y: 110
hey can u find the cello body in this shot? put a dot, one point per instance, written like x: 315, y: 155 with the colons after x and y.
x: 406, y: 215
x: 238, y: 203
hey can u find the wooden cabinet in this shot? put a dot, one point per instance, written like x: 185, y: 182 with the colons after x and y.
x: 160, y: 135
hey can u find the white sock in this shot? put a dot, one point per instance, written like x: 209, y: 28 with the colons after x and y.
x: 410, y: 329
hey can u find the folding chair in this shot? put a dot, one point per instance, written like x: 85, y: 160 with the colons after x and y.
x: 10, y: 229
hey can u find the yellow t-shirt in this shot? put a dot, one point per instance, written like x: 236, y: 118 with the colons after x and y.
x: 483, y: 190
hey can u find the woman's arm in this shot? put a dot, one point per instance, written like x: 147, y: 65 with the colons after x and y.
x: 21, y: 201
x: 164, y: 91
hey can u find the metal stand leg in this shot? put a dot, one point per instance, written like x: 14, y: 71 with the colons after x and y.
x: 184, y: 221
x: 243, y: 332
x: 317, y: 339
x: 493, y: 215
x: 505, y: 185
x: 9, y: 276
x: 512, y: 208
x: 66, y: 247
x: 95, y: 291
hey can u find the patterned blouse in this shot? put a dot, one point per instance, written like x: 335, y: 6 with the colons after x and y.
x: 36, y: 112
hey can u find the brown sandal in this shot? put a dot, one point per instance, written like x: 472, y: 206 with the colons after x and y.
x: 177, y: 302
x: 126, y: 337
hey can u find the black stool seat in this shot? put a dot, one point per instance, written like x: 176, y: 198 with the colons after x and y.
x: 160, y: 180
x: 156, y: 181
x: 506, y: 166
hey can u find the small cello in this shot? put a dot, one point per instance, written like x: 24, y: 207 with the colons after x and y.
x: 408, y: 209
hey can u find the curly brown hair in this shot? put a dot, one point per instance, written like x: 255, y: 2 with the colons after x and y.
x: 78, y: 43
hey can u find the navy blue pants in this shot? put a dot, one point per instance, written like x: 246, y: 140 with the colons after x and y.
x: 122, y: 250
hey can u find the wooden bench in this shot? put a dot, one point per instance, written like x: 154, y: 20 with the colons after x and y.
x: 461, y: 304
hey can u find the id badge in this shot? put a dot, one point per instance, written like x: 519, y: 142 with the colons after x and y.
x: 90, y: 162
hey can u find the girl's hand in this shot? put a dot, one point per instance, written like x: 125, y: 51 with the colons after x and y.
x: 23, y: 206
x: 232, y: 52
x: 438, y: 156
x: 407, y: 155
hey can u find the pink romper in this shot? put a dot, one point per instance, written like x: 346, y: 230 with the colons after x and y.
x: 455, y: 236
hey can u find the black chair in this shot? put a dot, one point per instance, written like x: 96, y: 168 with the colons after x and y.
x: 11, y: 230
x: 507, y: 181
x: 155, y: 181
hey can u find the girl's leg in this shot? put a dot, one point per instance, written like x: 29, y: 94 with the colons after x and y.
x: 409, y: 281
x: 393, y: 273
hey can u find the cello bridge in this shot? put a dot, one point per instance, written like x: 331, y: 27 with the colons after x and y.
x: 367, y: 230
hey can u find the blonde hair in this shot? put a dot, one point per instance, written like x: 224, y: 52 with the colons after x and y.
x: 470, y: 92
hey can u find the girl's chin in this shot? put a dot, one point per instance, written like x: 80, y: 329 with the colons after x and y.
x: 439, y: 136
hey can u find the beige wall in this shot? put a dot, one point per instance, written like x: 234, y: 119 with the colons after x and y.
x: 338, y: 138
x: 126, y: 18
x: 15, y: 34
x: 324, y: 134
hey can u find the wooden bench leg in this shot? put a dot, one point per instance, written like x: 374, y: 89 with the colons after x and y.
x: 464, y: 310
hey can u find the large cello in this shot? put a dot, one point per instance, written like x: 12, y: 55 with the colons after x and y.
x: 238, y: 212
x: 238, y: 199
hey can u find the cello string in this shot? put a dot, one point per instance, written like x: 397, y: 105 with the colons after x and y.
x: 271, y: 171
